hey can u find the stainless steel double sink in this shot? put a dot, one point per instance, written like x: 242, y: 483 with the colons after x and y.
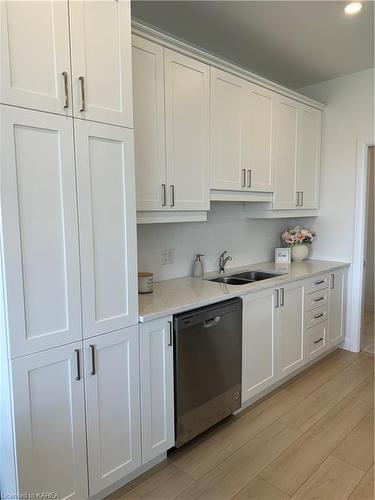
x: 245, y: 278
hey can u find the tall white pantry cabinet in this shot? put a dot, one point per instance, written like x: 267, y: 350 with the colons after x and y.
x: 69, y: 347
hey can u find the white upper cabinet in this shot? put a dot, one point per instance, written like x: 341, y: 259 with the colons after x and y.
x: 242, y: 129
x: 187, y: 131
x: 259, y: 341
x: 49, y: 422
x: 227, y: 133
x: 35, y: 60
x: 297, y: 155
x: 337, y: 307
x: 291, y: 327
x: 308, y: 156
x: 286, y: 154
x: 259, y: 116
x: 101, y: 60
x: 40, y: 234
x: 112, y: 407
x: 157, y: 397
x: 149, y: 133
x: 106, y: 201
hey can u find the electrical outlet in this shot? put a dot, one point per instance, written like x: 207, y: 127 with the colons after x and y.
x: 167, y: 256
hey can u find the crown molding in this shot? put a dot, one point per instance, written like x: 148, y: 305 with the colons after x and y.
x: 145, y: 31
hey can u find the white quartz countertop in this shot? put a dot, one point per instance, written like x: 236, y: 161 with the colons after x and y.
x: 182, y: 294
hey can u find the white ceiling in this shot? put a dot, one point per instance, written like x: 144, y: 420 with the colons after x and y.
x: 295, y: 43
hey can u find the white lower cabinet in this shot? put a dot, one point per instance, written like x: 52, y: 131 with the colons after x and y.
x: 337, y: 307
x: 49, y: 420
x: 157, y: 398
x: 112, y: 407
x: 259, y: 343
x: 291, y: 327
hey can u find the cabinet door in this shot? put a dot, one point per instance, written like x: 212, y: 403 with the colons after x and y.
x: 259, y: 341
x: 337, y: 307
x: 112, y: 407
x: 285, y: 166
x: 308, y: 155
x: 187, y: 131
x: 106, y: 200
x: 291, y: 322
x: 149, y: 137
x: 40, y: 235
x: 101, y: 61
x: 227, y: 133
x: 49, y: 419
x: 157, y: 398
x: 35, y: 61
x: 259, y: 131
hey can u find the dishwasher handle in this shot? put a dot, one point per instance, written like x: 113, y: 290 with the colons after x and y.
x: 212, y: 322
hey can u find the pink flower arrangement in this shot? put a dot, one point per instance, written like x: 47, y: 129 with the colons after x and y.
x: 297, y: 236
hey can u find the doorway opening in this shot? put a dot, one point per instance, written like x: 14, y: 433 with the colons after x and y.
x: 367, y: 330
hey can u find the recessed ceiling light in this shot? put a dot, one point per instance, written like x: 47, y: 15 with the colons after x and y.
x: 353, y: 8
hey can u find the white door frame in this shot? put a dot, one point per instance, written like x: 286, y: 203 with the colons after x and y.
x: 356, y: 298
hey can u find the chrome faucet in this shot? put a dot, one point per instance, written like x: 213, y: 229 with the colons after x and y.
x: 223, y: 260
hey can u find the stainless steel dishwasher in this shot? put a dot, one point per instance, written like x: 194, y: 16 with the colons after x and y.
x: 207, y: 367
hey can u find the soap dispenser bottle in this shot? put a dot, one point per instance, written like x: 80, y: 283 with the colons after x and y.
x: 198, y: 270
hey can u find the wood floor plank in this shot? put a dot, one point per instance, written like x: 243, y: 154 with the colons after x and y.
x: 365, y: 390
x: 259, y: 489
x: 198, y: 459
x: 321, y: 372
x: 321, y: 401
x: 333, y: 480
x: 365, y: 489
x: 234, y: 473
x: 164, y: 485
x: 293, y: 467
x: 358, y: 447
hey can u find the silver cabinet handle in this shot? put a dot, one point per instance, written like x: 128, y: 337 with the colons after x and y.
x: 319, y: 282
x: 249, y: 178
x: 301, y: 198
x: 316, y: 316
x: 66, y: 94
x: 93, y: 364
x: 83, y: 95
x: 282, y: 299
x: 78, y: 361
x: 297, y: 202
x: 170, y: 342
x: 277, y: 298
x: 319, y: 299
x: 243, y: 177
x: 332, y: 281
x: 163, y: 196
x: 172, y: 194
x: 317, y: 341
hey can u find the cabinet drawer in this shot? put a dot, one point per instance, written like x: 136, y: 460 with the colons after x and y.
x: 316, y: 299
x: 317, y: 283
x: 316, y: 316
x: 315, y: 340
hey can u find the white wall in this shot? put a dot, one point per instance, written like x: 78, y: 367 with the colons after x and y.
x: 369, y: 276
x: 348, y: 119
x: 248, y: 241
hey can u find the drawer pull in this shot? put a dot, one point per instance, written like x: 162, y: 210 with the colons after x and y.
x: 319, y: 299
x: 317, y: 341
x: 316, y: 316
x: 319, y: 282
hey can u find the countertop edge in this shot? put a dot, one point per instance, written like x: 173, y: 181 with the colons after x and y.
x: 261, y: 285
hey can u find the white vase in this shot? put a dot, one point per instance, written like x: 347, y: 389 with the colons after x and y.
x: 300, y: 252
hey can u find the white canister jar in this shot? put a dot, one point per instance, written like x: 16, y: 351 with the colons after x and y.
x: 145, y: 282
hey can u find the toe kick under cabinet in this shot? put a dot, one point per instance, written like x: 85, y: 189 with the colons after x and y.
x: 287, y: 327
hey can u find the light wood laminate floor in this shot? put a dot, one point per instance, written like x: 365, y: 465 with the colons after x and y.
x: 368, y: 334
x: 312, y: 438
